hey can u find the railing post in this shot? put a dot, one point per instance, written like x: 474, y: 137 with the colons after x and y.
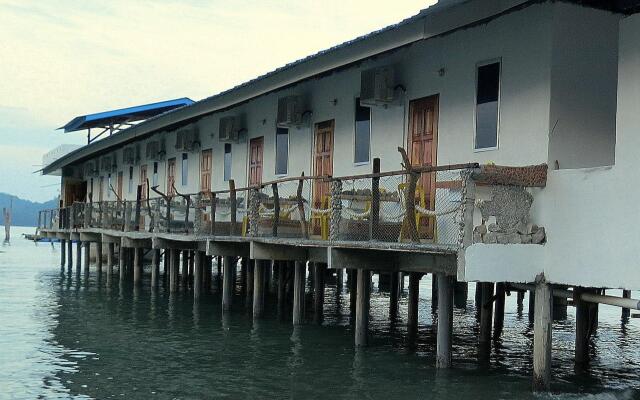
x: 197, y: 217
x: 336, y: 210
x: 254, y: 211
x: 138, y: 201
x: 87, y: 215
x: 374, y: 218
x: 214, y: 201
x: 234, y: 207
x: 127, y: 217
x: 71, y: 217
x: 303, y: 219
x: 276, y: 209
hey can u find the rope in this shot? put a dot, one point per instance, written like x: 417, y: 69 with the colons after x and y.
x: 432, y: 213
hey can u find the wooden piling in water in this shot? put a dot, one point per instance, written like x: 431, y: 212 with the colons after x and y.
x: 137, y: 266
x: 282, y: 272
x: 250, y: 283
x: 69, y: 255
x: 394, y: 289
x: 258, y: 289
x: 79, y: 245
x: 298, y: 292
x: 197, y: 274
x: 227, y: 282
x: 626, y: 313
x: 586, y: 316
x: 318, y: 292
x: 445, y: 321
x: 122, y: 260
x: 498, y: 315
x: 542, y: 335
x: 460, y: 294
x: 99, y: 257
x: 532, y: 305
x: 486, y: 317
x: 111, y: 249
x: 412, y: 308
x: 155, y: 268
x: 184, y: 274
x: 174, y: 258
x: 63, y: 256
x: 362, y: 306
x: 87, y: 254
x: 352, y: 282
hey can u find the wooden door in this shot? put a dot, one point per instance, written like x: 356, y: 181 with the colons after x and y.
x: 423, y: 142
x: 143, y: 182
x: 322, y: 161
x: 119, y: 185
x: 255, y: 160
x: 171, y: 176
x: 205, y: 171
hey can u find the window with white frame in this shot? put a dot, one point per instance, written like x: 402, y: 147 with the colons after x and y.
x: 362, y: 139
x: 282, y: 151
x: 487, y: 105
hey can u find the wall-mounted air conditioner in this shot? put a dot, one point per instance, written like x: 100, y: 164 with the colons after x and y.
x: 231, y: 129
x: 129, y: 155
x: 291, y: 110
x: 377, y: 86
x: 188, y: 139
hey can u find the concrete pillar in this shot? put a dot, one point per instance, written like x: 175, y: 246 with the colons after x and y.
x: 137, y: 266
x: 542, y: 335
x: 87, y: 254
x: 250, y: 283
x: 155, y: 268
x: 69, y: 255
x: 626, y: 313
x: 174, y: 258
x: 63, y: 256
x: 362, y: 306
x: 298, y: 292
x: 445, y: 321
x: 198, y: 264
x: 99, y: 257
x: 414, y: 295
x: 122, y: 260
x: 498, y: 315
x: 258, y: 288
x: 111, y: 249
x: 79, y: 245
x: 486, y: 315
x: 460, y: 294
x: 282, y: 272
x: 394, y: 289
x: 318, y: 292
x: 227, y: 283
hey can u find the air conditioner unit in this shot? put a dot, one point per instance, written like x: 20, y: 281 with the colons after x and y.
x: 377, y: 86
x: 187, y: 139
x: 290, y: 111
x: 153, y: 150
x: 129, y: 155
x: 230, y: 128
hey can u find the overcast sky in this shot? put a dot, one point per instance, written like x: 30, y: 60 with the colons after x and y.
x: 61, y: 59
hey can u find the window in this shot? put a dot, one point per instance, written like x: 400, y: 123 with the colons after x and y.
x: 185, y: 168
x: 109, y: 186
x: 130, y: 180
x: 282, y: 151
x: 362, y: 133
x: 154, y: 177
x: 487, y: 97
x: 91, y: 191
x: 227, y: 161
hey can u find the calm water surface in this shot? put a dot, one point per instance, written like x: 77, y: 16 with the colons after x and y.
x: 65, y: 337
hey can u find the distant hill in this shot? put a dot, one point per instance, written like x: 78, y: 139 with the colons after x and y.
x: 24, y: 212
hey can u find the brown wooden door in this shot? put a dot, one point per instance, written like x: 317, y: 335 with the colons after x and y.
x: 143, y: 182
x: 171, y: 176
x: 322, y: 160
x: 205, y: 171
x: 255, y: 160
x: 423, y: 142
x: 119, y: 185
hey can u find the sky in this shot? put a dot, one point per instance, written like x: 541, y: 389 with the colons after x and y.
x: 61, y: 59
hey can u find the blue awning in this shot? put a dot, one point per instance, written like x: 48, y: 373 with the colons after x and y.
x: 110, y: 118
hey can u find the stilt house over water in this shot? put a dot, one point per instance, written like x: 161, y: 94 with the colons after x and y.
x: 489, y: 141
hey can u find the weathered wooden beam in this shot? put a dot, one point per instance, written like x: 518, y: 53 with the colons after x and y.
x: 234, y: 207
x: 276, y: 209
x: 445, y: 321
x: 258, y: 289
x: 298, y: 293
x: 227, y: 282
x: 542, y: 335
x: 362, y: 307
x: 374, y: 219
x: 303, y: 219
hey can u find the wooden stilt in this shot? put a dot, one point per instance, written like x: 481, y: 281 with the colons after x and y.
x: 121, y: 261
x: 79, y: 245
x: 282, y: 272
x: 498, y: 316
x: 206, y: 279
x: 192, y: 263
x: 174, y: 258
x: 227, y: 283
x: 352, y: 281
x: 478, y: 300
x: 155, y: 268
x: 250, y: 282
x: 298, y: 293
x: 626, y: 313
x: 532, y: 305
x: 445, y: 321
x: 339, y: 279
x: 99, y: 258
x: 111, y: 249
x: 69, y: 255
x: 318, y: 292
x: 197, y: 274
x: 63, y: 256
x: 542, y: 335
x: 434, y: 293
x: 520, y: 300
x: 184, y: 273
x: 137, y: 266
x: 460, y: 294
x: 414, y: 295
x: 167, y: 266
x: 486, y: 315
x: 258, y: 289
x: 87, y: 254
x: 362, y: 306
x: 394, y: 288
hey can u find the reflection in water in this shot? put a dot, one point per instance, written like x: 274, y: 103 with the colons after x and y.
x: 65, y: 337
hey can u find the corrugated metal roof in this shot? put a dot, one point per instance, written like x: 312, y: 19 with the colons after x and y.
x: 128, y: 114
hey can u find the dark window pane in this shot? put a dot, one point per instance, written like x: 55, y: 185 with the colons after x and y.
x: 154, y: 179
x: 362, y: 133
x: 185, y: 168
x: 282, y: 151
x: 227, y: 161
x: 488, y: 89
